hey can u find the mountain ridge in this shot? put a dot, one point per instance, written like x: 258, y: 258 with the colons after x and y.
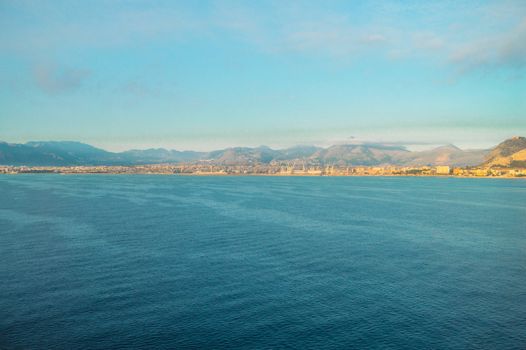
x: 71, y: 153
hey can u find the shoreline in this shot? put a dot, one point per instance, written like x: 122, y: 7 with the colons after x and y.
x: 266, y: 175
x: 274, y: 170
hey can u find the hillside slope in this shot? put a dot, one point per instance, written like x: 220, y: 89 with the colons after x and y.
x: 511, y: 152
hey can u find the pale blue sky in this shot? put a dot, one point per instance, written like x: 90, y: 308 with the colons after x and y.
x: 210, y: 74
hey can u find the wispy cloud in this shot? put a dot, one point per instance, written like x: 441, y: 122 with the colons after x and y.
x: 52, y: 79
x: 138, y: 89
x: 497, y: 51
x: 428, y: 41
x: 334, y: 37
x: 467, y: 36
x: 52, y: 30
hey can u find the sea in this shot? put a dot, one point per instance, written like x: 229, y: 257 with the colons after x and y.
x: 189, y: 262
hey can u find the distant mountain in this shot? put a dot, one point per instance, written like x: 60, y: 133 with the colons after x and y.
x: 243, y: 155
x: 53, y: 153
x: 70, y: 152
x: 160, y: 155
x: 297, y: 152
x: 359, y: 154
x: 444, y: 155
x: 16, y: 154
x: 511, y: 152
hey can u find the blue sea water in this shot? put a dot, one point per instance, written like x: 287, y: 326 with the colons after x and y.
x: 157, y: 262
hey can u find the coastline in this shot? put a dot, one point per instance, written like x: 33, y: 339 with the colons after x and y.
x: 267, y: 175
x: 274, y: 170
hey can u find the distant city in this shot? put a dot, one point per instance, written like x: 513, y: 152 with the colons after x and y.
x: 508, y: 159
x: 272, y: 170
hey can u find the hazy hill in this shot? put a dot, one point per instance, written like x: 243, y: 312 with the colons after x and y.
x: 54, y: 153
x: 243, y: 155
x: 444, y: 155
x: 511, y: 152
x: 17, y: 154
x: 297, y: 152
x: 160, y: 155
x: 358, y: 154
x: 70, y: 152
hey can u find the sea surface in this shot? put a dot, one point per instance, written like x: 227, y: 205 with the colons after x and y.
x: 168, y: 262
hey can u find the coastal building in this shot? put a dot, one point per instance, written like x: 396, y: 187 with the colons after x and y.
x: 442, y: 170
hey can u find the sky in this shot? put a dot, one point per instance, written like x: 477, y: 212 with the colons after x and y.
x: 204, y: 75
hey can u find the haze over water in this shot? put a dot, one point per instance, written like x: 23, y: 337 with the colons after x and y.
x: 260, y: 262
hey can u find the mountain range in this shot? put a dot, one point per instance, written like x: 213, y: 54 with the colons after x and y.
x: 511, y: 152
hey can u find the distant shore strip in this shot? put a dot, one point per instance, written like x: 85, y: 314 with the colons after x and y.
x: 268, y: 170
